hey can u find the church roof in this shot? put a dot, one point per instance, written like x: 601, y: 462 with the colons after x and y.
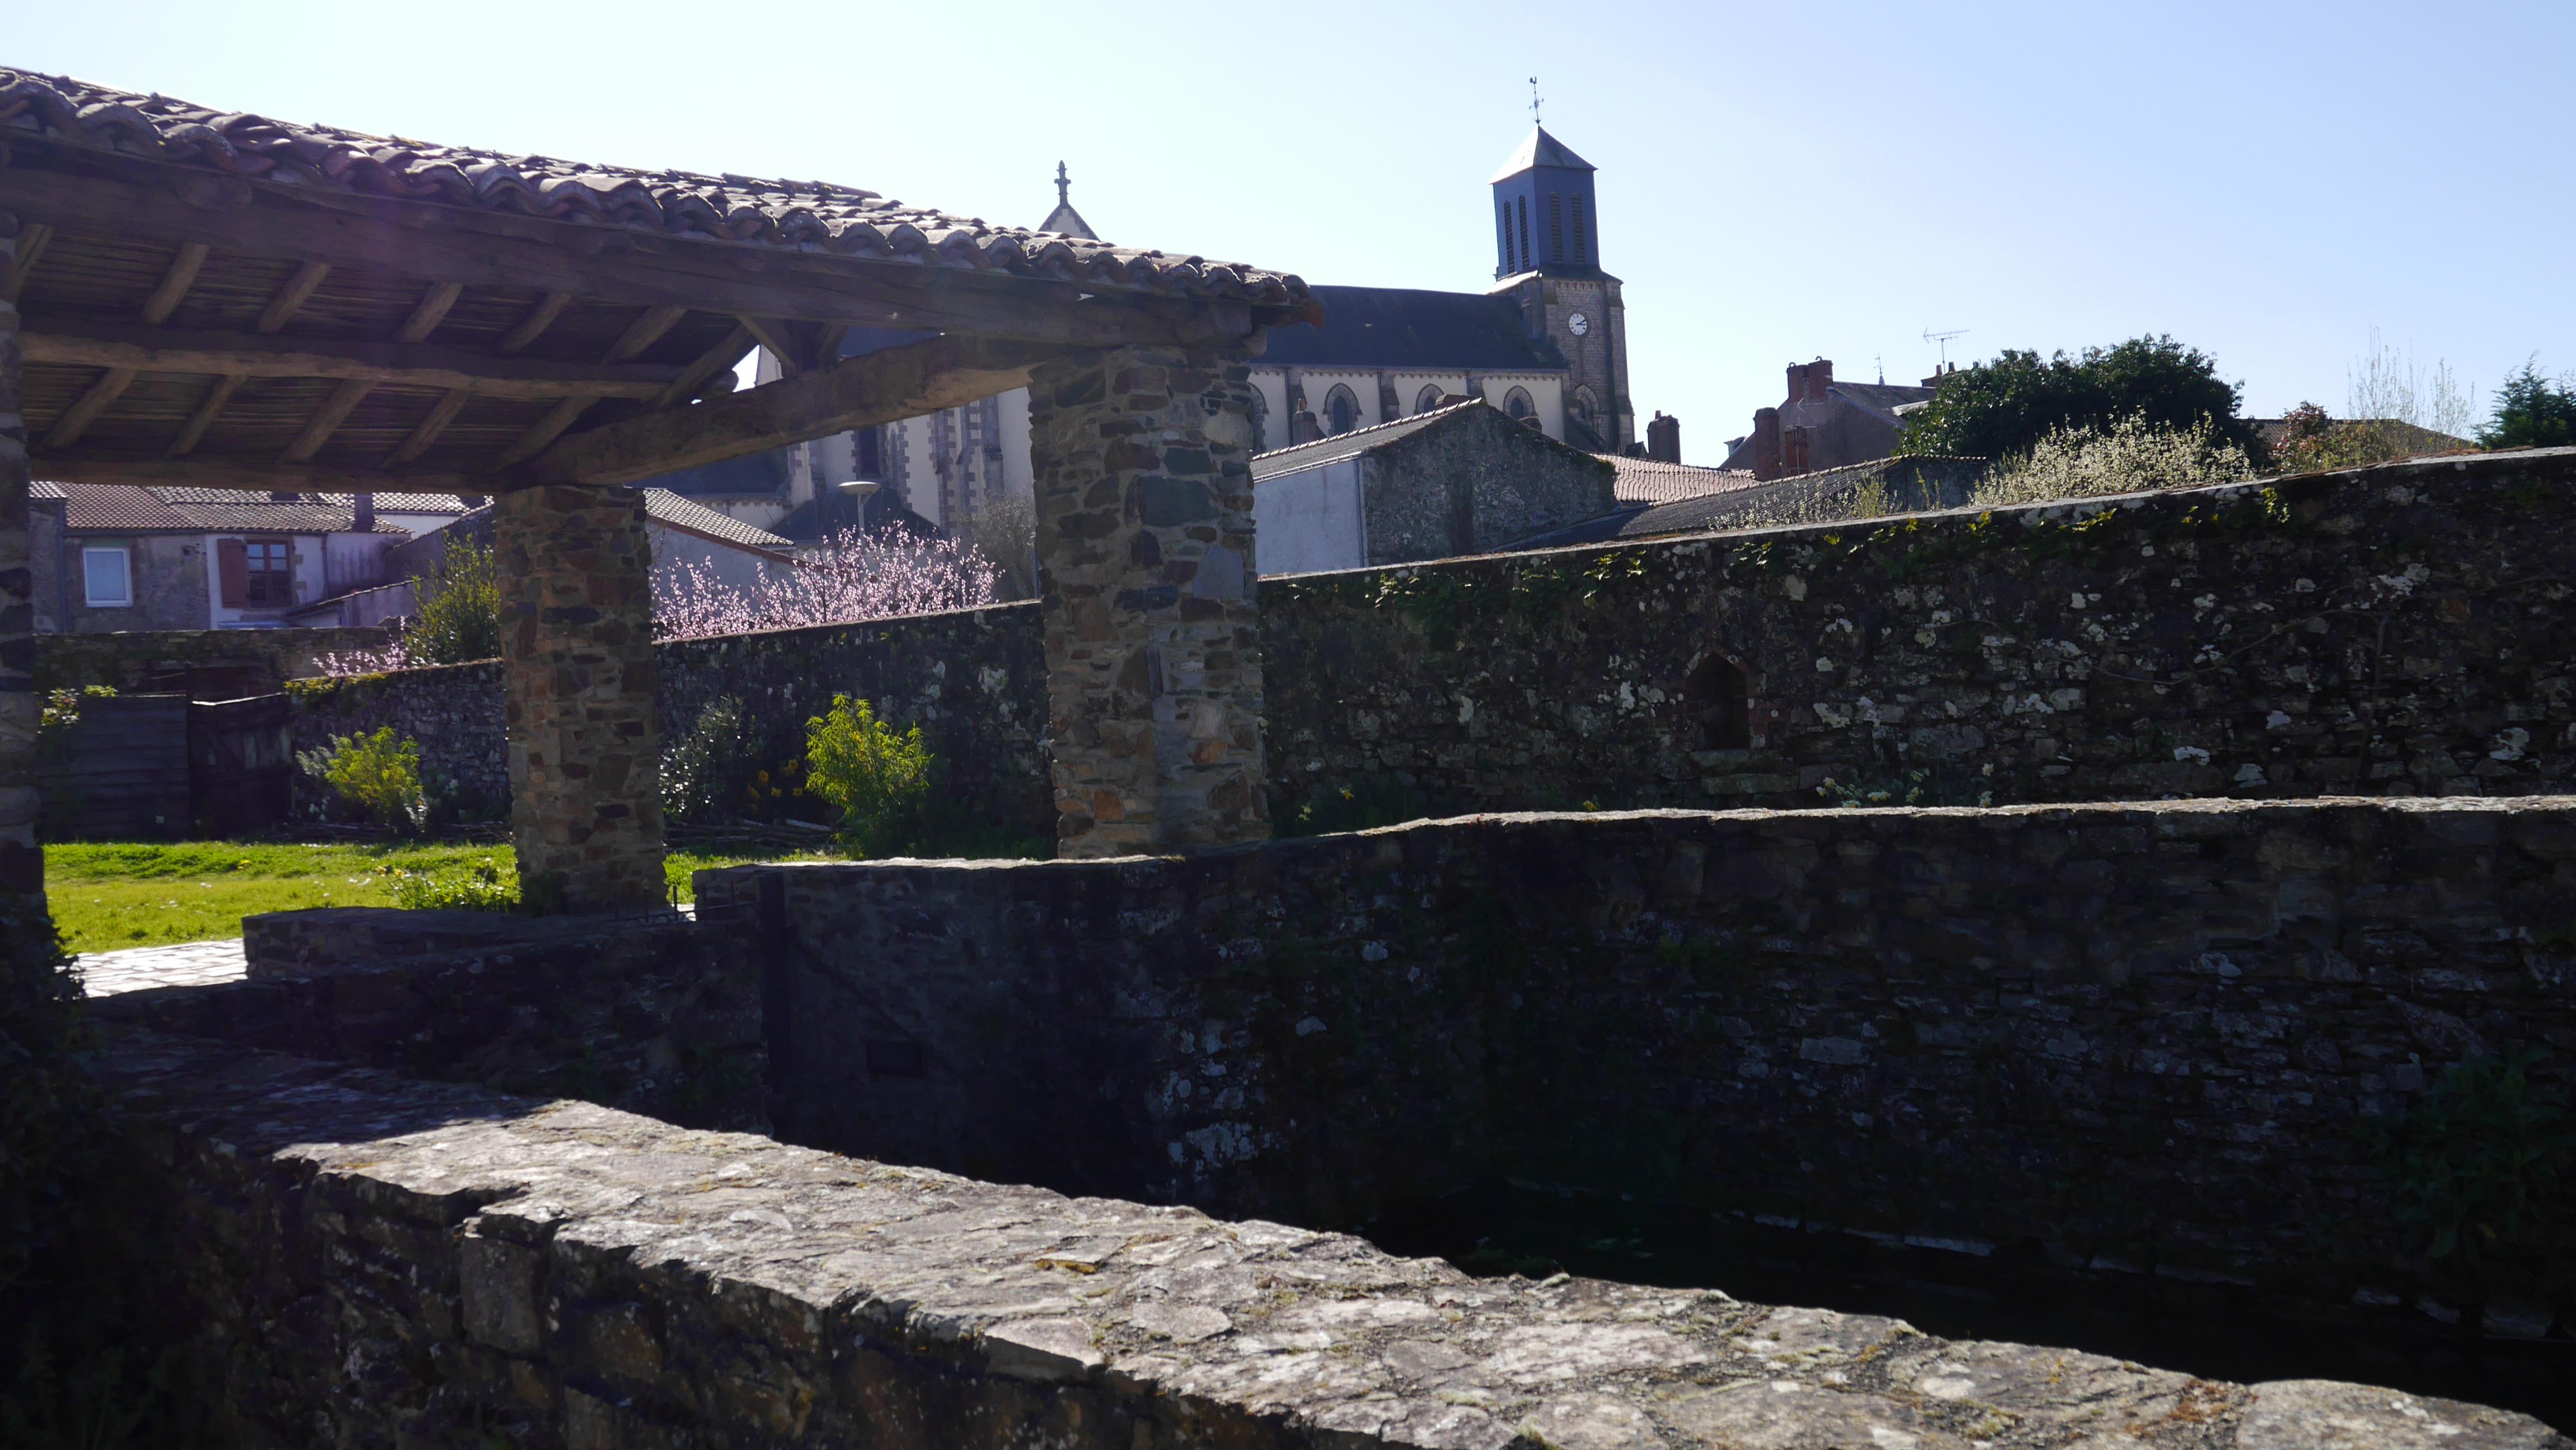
x: 1541, y: 149
x: 1399, y: 327
x: 1065, y: 221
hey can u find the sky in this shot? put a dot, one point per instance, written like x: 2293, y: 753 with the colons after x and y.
x: 2273, y: 183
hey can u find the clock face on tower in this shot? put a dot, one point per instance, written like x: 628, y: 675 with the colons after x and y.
x: 1578, y: 324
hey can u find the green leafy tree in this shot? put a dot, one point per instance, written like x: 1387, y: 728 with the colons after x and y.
x: 379, y: 772
x: 460, y: 608
x: 2004, y: 408
x: 2532, y: 411
x: 879, y: 778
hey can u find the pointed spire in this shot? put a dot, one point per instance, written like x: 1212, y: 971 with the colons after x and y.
x: 1064, y: 218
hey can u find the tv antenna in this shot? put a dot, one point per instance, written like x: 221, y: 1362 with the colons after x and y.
x: 1943, y: 338
x: 1534, y: 98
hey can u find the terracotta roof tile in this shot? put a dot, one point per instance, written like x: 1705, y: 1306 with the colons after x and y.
x: 800, y: 216
x: 124, y: 508
x: 667, y: 507
x: 1647, y: 480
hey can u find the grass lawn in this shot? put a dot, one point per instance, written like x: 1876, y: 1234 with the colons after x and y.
x: 109, y: 896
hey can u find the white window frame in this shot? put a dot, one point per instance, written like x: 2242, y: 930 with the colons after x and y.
x: 124, y: 554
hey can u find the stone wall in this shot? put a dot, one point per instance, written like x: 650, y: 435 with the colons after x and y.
x: 2398, y: 630
x: 212, y: 664
x: 365, y: 1260
x: 2166, y: 1038
x: 2404, y: 630
x: 1474, y: 483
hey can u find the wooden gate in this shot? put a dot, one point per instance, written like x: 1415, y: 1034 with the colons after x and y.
x: 241, y: 764
x: 120, y: 773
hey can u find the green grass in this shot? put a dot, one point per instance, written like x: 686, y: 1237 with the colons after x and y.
x: 106, y: 896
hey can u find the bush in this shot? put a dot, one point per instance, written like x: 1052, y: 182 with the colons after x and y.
x: 480, y: 888
x: 705, y: 775
x: 879, y: 780
x: 2131, y: 456
x: 378, y: 773
x: 459, y: 616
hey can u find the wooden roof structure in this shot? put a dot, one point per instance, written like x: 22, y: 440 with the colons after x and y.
x: 223, y: 300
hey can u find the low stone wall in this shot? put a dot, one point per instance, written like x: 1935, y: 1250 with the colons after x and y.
x: 365, y: 1260
x: 649, y: 1015
x: 2163, y: 1038
x: 224, y: 664
x: 2401, y: 630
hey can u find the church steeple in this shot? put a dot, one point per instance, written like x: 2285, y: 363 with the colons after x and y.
x: 1544, y: 215
x: 1064, y: 218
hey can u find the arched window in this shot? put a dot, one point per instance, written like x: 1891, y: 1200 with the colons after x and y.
x: 1586, y: 409
x: 1260, y: 422
x: 1427, y: 399
x: 1517, y: 403
x: 1341, y: 410
x: 1719, y: 703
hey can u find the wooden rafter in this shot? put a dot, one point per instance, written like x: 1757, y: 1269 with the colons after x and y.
x: 344, y: 400
x: 714, y: 360
x: 534, y: 325
x: 209, y: 408
x: 75, y: 420
x: 292, y: 295
x: 639, y: 335
x: 781, y: 341
x: 858, y: 392
x: 31, y: 246
x: 426, y: 431
x: 165, y: 298
x: 430, y: 311
x: 643, y: 333
x: 413, y: 365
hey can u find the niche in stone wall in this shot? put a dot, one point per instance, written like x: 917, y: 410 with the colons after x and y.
x: 1718, y: 698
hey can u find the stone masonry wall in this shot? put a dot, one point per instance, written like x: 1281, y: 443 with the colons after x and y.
x: 261, y: 659
x: 1474, y: 483
x: 2168, y: 1036
x: 363, y: 1260
x: 2404, y: 630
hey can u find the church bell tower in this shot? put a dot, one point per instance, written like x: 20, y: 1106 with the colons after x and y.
x: 1547, y: 256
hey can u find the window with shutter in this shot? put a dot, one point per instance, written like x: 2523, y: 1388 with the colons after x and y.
x: 232, y: 571
x: 268, y: 579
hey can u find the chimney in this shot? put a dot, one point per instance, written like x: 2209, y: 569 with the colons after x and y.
x: 1820, y: 376
x: 1766, y: 441
x: 362, y: 513
x: 1664, y: 438
x: 1797, y: 382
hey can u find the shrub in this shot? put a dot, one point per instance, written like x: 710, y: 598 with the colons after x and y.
x: 2483, y: 1167
x: 481, y: 888
x: 705, y: 775
x: 2131, y: 456
x: 878, y: 779
x: 459, y: 615
x: 379, y: 773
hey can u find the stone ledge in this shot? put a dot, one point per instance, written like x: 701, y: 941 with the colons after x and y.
x: 375, y: 1259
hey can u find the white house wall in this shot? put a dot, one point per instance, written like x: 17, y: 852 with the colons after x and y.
x: 1310, y: 521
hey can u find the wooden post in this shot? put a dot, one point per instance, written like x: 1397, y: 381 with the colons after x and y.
x: 22, y: 865
x: 575, y: 568
x: 1142, y: 459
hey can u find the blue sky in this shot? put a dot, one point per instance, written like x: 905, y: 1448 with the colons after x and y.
x: 1779, y: 181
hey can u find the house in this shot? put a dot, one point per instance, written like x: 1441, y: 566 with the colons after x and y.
x: 108, y: 556
x: 1464, y: 478
x: 685, y: 535
x: 1824, y: 424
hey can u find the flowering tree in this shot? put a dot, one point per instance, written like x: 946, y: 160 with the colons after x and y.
x: 859, y: 574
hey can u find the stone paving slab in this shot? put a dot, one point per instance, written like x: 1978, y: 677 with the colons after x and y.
x: 585, y: 1276
x: 186, y: 964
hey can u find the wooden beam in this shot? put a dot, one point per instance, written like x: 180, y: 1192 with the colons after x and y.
x: 144, y: 198
x: 426, y: 431
x: 534, y: 325
x: 714, y: 360
x: 32, y: 240
x: 99, y: 466
x: 644, y: 332
x: 292, y: 296
x: 431, y: 311
x: 544, y: 431
x: 210, y: 407
x: 165, y: 299
x: 75, y: 420
x: 781, y: 341
x: 392, y: 364
x: 326, y: 419
x: 858, y: 392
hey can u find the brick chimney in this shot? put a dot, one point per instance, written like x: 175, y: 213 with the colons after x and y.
x: 1664, y: 438
x: 1820, y: 376
x: 1797, y: 382
x: 362, y: 513
x: 1766, y: 441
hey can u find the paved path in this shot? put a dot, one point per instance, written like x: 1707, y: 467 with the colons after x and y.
x: 189, y: 964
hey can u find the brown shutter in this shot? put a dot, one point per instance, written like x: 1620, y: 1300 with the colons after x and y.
x: 232, y: 566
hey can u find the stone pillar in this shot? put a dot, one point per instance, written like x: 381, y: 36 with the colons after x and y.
x: 22, y: 866
x: 575, y: 570
x: 1142, y: 458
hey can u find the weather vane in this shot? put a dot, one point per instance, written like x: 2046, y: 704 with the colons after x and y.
x: 1533, y: 100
